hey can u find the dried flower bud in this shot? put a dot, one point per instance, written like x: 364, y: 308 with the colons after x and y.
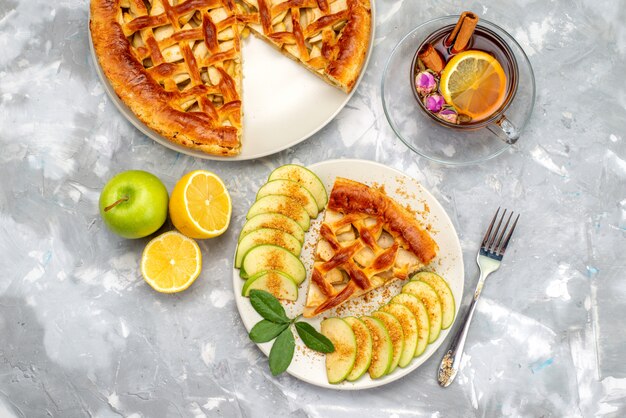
x: 434, y: 102
x: 420, y: 65
x: 425, y: 83
x: 448, y: 114
x: 464, y: 119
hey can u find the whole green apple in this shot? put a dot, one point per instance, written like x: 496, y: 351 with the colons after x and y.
x: 133, y: 204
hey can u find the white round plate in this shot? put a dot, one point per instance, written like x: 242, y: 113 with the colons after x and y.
x: 308, y: 365
x: 283, y: 103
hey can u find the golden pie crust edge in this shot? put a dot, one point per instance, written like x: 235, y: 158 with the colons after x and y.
x: 354, y: 43
x: 144, y: 96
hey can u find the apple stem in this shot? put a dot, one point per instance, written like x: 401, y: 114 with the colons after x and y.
x: 114, y: 204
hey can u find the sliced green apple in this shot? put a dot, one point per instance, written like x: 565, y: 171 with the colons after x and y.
x: 271, y: 257
x: 273, y: 221
x: 446, y: 297
x: 431, y: 301
x: 382, y: 349
x: 363, y: 348
x: 306, y: 178
x: 275, y: 282
x: 396, y: 335
x: 409, y: 330
x: 340, y: 362
x: 421, y: 315
x: 267, y: 236
x: 285, y: 206
x: 292, y: 189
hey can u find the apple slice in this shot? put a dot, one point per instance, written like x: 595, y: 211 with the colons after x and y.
x: 409, y: 330
x: 431, y: 301
x: 396, y: 335
x: 275, y: 282
x: 306, y: 178
x: 382, y: 349
x: 266, y: 236
x: 292, y: 189
x: 271, y: 257
x: 339, y: 363
x: 440, y: 286
x: 273, y: 221
x: 421, y: 315
x: 363, y: 348
x: 285, y: 206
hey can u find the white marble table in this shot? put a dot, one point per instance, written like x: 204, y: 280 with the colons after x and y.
x: 81, y: 334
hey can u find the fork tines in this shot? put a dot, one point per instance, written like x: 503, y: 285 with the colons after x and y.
x: 492, y: 242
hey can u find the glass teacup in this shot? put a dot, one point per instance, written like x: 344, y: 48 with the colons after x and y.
x: 486, y: 40
x: 451, y: 143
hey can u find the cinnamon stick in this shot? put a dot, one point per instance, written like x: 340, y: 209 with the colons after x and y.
x: 462, y: 32
x: 431, y: 58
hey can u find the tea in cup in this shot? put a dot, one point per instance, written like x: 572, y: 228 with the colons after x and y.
x: 464, y: 76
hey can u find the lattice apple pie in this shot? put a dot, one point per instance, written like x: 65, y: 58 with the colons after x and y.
x: 177, y: 63
x: 367, y: 240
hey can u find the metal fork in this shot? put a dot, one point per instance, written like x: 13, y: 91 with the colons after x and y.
x: 489, y: 258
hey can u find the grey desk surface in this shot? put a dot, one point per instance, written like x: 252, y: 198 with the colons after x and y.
x: 81, y: 334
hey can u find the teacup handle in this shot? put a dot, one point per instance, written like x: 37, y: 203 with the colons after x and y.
x: 505, y: 130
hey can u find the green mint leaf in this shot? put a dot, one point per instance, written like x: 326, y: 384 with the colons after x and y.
x: 313, y: 339
x: 282, y: 352
x: 265, y: 331
x: 268, y: 306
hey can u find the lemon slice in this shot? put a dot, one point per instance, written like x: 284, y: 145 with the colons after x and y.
x: 200, y: 206
x: 474, y: 83
x: 171, y: 262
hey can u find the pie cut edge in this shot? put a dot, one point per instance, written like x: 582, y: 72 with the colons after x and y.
x: 367, y: 240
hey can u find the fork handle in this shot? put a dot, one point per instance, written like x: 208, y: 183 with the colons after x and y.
x: 451, y: 361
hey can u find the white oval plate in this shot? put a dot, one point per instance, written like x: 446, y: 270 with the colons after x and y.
x: 283, y: 103
x: 309, y: 366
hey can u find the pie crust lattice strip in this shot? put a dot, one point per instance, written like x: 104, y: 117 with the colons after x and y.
x: 177, y: 63
x: 367, y: 240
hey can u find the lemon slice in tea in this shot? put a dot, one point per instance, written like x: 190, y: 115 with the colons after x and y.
x: 474, y: 83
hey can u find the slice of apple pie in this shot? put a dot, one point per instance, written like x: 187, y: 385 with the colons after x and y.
x: 367, y: 240
x: 328, y: 37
